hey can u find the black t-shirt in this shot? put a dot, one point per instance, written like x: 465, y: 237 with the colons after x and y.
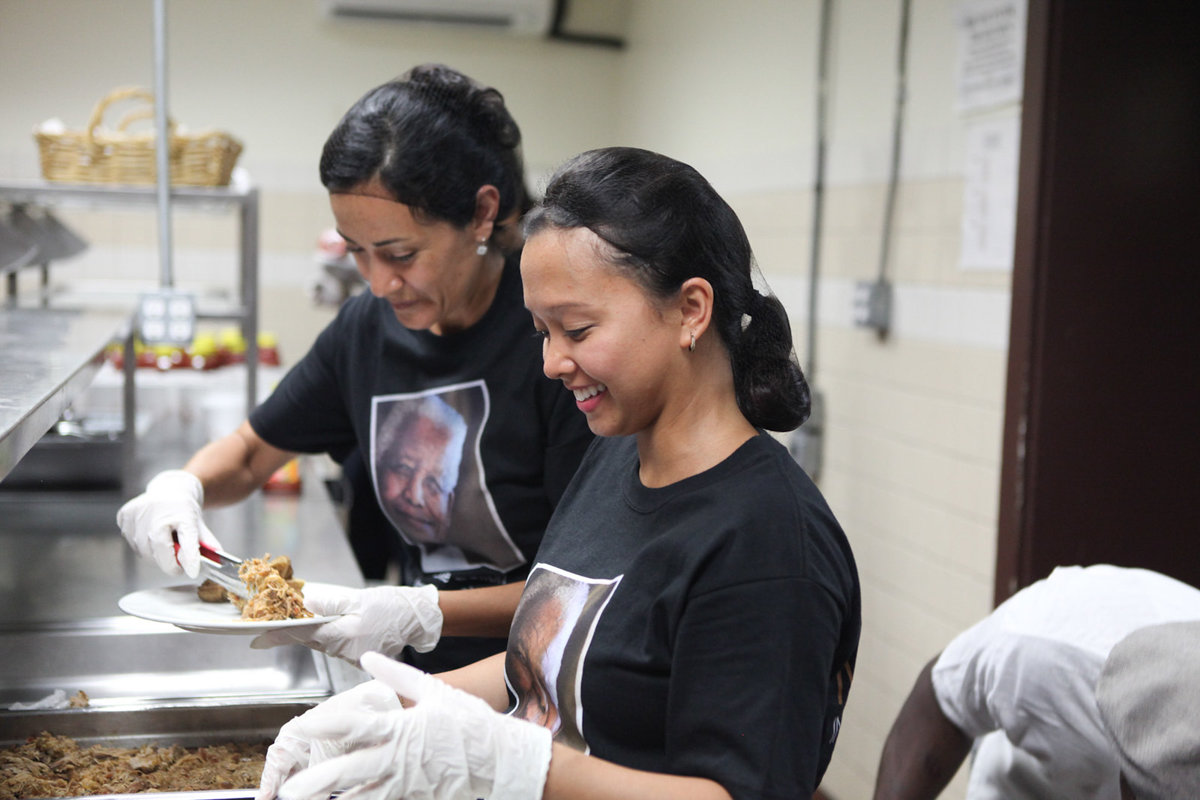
x: 505, y: 440
x: 707, y: 628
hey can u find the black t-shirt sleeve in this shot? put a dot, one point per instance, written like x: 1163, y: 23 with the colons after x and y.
x: 307, y: 411
x: 750, y: 689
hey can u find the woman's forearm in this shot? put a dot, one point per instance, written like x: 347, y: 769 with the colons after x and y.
x: 483, y: 679
x: 576, y: 776
x: 487, y: 611
x: 234, y: 466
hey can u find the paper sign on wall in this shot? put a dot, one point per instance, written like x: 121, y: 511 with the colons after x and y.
x: 990, y: 193
x: 991, y: 52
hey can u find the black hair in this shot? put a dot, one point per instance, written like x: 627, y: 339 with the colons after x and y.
x: 431, y: 137
x: 665, y: 224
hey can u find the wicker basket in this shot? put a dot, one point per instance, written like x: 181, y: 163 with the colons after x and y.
x: 120, y: 156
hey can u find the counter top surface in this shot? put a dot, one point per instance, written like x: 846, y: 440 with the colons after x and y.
x: 47, y: 356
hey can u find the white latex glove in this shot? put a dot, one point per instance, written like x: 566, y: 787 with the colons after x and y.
x: 449, y: 746
x: 382, y: 618
x: 170, y: 506
x: 294, y: 748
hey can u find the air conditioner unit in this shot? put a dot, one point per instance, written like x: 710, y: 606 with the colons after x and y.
x: 528, y: 17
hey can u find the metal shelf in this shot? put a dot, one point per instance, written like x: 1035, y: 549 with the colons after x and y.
x: 237, y: 197
x: 50, y: 355
x: 48, y: 193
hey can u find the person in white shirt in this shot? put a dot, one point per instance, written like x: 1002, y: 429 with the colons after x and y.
x: 1017, y: 692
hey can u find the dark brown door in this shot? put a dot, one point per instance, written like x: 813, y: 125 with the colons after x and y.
x: 1102, y: 424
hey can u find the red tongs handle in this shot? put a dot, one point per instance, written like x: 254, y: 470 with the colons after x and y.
x: 220, y: 567
x: 205, y: 550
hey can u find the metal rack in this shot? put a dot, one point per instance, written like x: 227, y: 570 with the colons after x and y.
x: 29, y: 412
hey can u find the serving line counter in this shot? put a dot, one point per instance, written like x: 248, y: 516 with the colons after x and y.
x: 47, y: 358
x: 63, y: 568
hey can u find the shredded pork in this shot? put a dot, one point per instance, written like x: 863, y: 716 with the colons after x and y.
x: 274, y: 592
x: 58, y: 766
x: 272, y: 595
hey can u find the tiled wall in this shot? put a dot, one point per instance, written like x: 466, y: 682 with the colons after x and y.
x: 912, y: 431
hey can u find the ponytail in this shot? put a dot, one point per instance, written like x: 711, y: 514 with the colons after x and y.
x: 770, y: 387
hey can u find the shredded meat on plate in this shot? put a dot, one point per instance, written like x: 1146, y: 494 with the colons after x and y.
x: 272, y: 594
x: 275, y: 593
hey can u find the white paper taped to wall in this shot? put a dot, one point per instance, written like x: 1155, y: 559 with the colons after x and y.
x: 991, y: 52
x: 990, y: 192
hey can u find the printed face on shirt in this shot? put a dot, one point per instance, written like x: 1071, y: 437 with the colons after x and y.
x: 608, y: 342
x: 547, y: 647
x: 430, y: 482
x: 429, y: 271
x: 528, y: 669
x: 417, y: 478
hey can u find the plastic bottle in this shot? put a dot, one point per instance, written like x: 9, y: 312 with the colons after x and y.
x: 268, y: 349
x: 232, y: 346
x: 144, y: 356
x: 285, y: 480
x: 168, y: 357
x: 204, y: 352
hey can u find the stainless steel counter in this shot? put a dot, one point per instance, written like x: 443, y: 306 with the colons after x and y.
x: 47, y: 356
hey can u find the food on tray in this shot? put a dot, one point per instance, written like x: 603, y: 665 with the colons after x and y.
x: 57, y: 766
x: 274, y: 592
x: 55, y: 700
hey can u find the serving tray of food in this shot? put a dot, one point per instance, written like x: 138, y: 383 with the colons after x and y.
x: 51, y: 765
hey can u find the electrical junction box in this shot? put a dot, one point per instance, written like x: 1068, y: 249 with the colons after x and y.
x: 167, y: 317
x: 873, y: 305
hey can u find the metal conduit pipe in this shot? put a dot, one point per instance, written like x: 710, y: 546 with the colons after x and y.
x: 807, y: 442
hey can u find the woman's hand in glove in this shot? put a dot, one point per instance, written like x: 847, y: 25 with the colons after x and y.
x: 295, y: 748
x: 449, y: 744
x: 382, y: 618
x: 167, y: 511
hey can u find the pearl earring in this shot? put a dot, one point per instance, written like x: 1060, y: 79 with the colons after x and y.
x: 482, y: 248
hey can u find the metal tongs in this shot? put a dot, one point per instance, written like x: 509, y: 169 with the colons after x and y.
x: 222, y: 569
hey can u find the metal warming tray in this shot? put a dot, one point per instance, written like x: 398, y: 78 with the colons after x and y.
x: 149, y: 682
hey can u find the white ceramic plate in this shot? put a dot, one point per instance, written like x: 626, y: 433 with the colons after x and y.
x: 182, y: 607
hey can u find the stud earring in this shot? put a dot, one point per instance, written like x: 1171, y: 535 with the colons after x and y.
x: 482, y: 248
x: 692, y: 346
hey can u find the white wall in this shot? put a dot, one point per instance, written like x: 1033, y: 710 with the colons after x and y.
x: 914, y: 422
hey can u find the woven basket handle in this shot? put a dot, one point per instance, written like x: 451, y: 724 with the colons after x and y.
x: 139, y: 114
x: 118, y: 95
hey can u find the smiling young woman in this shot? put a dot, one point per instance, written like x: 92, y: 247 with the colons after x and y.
x: 686, y: 528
